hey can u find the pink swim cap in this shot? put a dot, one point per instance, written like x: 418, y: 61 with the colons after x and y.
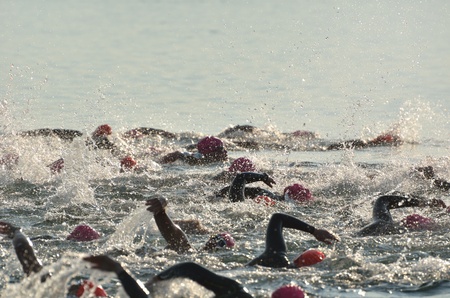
x: 265, y: 200
x: 417, y: 222
x: 297, y: 193
x: 242, y: 164
x: 102, y: 130
x: 225, y: 239
x: 127, y: 162
x: 309, y: 257
x: 209, y: 145
x: 288, y: 291
x: 83, y: 233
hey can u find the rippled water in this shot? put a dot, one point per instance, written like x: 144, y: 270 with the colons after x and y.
x: 341, y: 70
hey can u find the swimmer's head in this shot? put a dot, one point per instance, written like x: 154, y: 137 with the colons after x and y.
x: 221, y: 240
x: 127, y: 163
x: 309, y: 258
x: 298, y: 193
x: 288, y: 291
x: 83, y: 233
x: 241, y: 164
x: 86, y: 285
x: 418, y: 222
x: 56, y: 166
x: 103, y: 130
x: 209, y: 145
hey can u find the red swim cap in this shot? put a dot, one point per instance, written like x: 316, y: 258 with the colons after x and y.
x: 417, y: 222
x: 309, y: 257
x: 242, y: 164
x: 89, y: 285
x: 127, y: 162
x: 265, y: 200
x: 288, y: 291
x: 209, y: 145
x: 297, y: 193
x: 56, y: 166
x: 102, y: 130
x: 83, y: 233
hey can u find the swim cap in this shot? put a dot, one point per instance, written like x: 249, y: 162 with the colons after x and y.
x: 225, y: 240
x: 297, y: 193
x: 209, y: 145
x: 89, y: 285
x: 102, y: 130
x: 265, y: 200
x: 288, y: 291
x: 127, y: 162
x: 242, y: 164
x: 417, y: 222
x: 309, y: 257
x: 83, y: 233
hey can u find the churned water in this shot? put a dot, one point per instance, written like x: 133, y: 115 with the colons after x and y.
x: 341, y: 69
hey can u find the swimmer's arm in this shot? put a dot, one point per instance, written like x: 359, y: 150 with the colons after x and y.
x: 295, y: 223
x: 395, y: 202
x: 131, y: 286
x: 220, y: 285
x: 175, y: 237
x: 23, y: 247
x: 442, y: 184
x: 237, y: 188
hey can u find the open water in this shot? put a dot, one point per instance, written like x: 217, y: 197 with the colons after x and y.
x: 342, y: 69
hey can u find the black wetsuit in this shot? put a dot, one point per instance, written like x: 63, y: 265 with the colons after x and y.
x: 275, y: 252
x: 382, y: 218
x: 237, y: 192
x: 222, y: 286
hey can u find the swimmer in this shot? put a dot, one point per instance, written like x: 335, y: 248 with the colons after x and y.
x: 428, y: 173
x: 176, y: 237
x: 382, y: 219
x: 63, y: 134
x: 275, y: 252
x: 386, y: 139
x: 146, y: 131
x: 221, y: 286
x: 238, y: 192
x: 210, y: 150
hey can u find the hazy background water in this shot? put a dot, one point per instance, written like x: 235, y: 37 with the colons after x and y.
x: 342, y: 69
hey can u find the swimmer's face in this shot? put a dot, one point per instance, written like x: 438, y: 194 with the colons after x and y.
x: 215, y: 242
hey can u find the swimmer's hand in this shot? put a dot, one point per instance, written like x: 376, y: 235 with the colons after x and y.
x: 325, y: 236
x: 104, y: 263
x: 268, y: 180
x: 156, y: 205
x: 8, y: 229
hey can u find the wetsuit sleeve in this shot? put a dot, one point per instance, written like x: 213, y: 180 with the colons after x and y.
x: 442, y: 184
x: 131, y: 286
x: 221, y: 286
x: 25, y: 253
x: 384, y: 203
x: 237, y: 188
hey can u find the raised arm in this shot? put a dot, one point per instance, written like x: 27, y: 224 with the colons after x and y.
x: 275, y: 251
x: 237, y: 192
x: 131, y: 286
x: 23, y: 247
x: 175, y: 237
x: 220, y: 285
